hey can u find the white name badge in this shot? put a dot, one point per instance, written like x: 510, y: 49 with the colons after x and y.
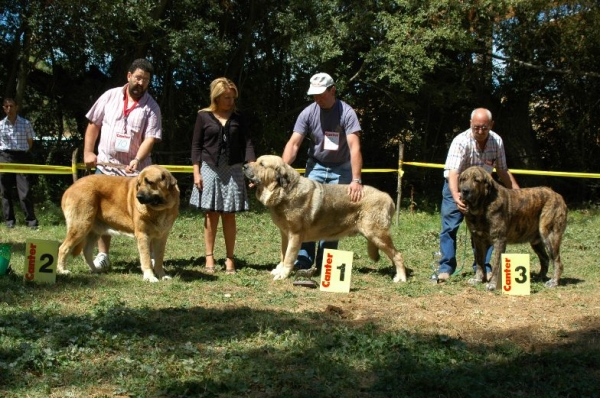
x: 122, y: 143
x: 515, y: 274
x: 40, y: 260
x: 336, y: 272
x: 332, y: 141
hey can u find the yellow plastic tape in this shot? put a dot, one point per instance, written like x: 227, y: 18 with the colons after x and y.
x: 48, y: 169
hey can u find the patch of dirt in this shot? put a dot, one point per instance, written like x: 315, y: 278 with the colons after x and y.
x: 477, y: 317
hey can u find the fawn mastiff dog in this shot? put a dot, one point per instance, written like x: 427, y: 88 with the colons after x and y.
x: 306, y: 210
x: 497, y: 216
x: 144, y: 207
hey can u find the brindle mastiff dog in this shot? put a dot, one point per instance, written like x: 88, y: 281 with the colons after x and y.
x: 497, y: 216
x: 305, y: 210
x: 144, y: 207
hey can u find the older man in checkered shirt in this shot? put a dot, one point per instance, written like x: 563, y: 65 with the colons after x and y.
x: 16, y: 140
x: 477, y: 146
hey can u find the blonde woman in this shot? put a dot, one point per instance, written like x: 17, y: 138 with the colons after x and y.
x: 220, y: 145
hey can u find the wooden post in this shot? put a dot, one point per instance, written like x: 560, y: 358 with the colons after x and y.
x: 399, y: 188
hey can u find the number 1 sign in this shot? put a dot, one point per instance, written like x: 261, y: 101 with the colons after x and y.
x: 336, y: 271
x: 40, y: 260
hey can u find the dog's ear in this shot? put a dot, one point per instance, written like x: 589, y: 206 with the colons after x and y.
x: 170, y: 180
x: 138, y: 180
x: 282, y: 177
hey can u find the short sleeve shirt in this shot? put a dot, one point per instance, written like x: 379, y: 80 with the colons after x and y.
x: 122, y: 132
x: 463, y: 153
x: 15, y: 137
x: 328, y: 129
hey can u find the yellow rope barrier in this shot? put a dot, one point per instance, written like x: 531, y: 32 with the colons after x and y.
x: 48, y: 169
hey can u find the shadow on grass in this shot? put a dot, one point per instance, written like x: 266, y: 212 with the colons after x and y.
x: 242, y: 351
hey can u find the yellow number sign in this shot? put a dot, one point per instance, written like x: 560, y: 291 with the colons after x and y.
x: 336, y: 271
x: 515, y: 274
x: 40, y: 260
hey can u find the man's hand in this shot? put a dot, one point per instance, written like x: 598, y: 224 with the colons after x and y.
x: 460, y: 204
x: 90, y: 159
x: 355, y: 190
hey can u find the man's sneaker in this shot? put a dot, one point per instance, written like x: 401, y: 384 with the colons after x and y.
x: 101, y: 262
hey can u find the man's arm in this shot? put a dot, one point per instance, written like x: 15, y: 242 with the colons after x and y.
x: 143, y: 152
x: 453, y: 186
x: 91, y: 135
x: 508, y: 179
x: 355, y: 189
x: 291, y: 148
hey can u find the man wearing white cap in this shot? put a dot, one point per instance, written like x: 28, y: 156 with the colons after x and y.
x: 334, y: 155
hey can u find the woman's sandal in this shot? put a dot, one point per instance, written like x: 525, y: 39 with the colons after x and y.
x: 230, y: 271
x: 209, y: 270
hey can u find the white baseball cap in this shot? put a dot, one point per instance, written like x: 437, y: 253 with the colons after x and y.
x: 319, y: 83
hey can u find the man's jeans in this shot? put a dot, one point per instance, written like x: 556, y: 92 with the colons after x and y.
x: 451, y: 219
x: 332, y: 174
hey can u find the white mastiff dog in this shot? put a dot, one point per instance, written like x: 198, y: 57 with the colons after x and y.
x: 306, y: 211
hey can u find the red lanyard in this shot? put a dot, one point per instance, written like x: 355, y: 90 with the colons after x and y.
x: 126, y: 111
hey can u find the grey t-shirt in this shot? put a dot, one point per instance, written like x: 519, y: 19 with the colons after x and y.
x: 328, y: 129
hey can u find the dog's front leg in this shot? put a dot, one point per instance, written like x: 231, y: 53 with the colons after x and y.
x: 144, y: 249
x: 158, y: 251
x: 480, y: 247
x: 291, y: 253
x: 282, y: 250
x: 494, y: 280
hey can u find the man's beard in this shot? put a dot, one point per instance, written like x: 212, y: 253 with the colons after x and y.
x: 136, y: 91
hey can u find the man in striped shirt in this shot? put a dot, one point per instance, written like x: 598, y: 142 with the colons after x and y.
x: 128, y: 121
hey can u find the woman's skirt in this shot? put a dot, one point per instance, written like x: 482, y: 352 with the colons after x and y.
x: 224, y: 189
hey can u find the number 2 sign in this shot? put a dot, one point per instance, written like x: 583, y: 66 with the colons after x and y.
x: 40, y: 260
x: 336, y: 271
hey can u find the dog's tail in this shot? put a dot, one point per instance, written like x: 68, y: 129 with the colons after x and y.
x: 74, y: 163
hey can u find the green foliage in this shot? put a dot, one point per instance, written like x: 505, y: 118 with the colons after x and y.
x: 413, y: 70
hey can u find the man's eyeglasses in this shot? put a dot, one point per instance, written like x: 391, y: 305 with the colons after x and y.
x: 482, y: 128
x: 140, y: 79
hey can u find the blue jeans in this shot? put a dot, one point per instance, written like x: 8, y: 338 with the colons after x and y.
x: 325, y: 174
x: 451, y: 219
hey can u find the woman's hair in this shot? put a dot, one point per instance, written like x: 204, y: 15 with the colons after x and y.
x: 217, y: 88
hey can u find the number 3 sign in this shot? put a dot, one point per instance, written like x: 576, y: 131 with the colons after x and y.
x: 515, y: 274
x: 40, y: 260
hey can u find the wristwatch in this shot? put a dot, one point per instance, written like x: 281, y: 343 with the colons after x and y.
x: 357, y: 180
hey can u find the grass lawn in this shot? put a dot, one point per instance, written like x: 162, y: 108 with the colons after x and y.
x: 245, y: 335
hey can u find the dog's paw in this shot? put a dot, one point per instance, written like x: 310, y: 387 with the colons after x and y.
x: 551, y: 283
x: 399, y: 278
x: 474, y: 281
x: 63, y: 271
x: 165, y: 278
x: 491, y: 286
x: 277, y: 269
x: 150, y: 278
x: 281, y: 274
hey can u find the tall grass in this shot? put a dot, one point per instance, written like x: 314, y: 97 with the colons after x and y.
x: 201, y: 335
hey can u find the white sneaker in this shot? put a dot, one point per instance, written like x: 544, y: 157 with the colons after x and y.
x: 101, y: 262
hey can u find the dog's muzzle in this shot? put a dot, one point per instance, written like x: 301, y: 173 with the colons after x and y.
x: 247, y: 170
x: 153, y: 200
